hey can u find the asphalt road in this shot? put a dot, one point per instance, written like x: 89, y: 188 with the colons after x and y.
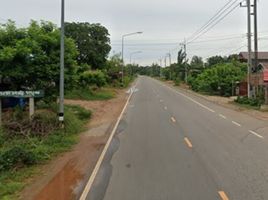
x: 172, y: 145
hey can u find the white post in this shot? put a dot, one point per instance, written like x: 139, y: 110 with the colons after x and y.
x: 31, y: 107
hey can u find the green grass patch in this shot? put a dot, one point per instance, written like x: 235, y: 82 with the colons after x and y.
x: 91, y: 95
x: 246, y: 106
x: 21, y: 157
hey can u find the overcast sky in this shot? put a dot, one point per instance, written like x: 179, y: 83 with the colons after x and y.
x: 165, y: 23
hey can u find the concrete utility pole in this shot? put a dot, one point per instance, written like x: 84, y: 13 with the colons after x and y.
x: 184, y: 45
x: 256, y: 34
x: 249, y: 47
x: 169, y: 56
x: 61, y: 100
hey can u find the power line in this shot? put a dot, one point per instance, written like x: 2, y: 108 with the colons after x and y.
x: 217, y: 22
x: 212, y: 19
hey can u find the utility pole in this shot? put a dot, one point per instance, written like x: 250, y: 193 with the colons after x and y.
x: 169, y: 56
x: 61, y: 100
x: 184, y: 45
x: 165, y: 61
x: 249, y: 45
x: 249, y: 48
x: 255, y: 35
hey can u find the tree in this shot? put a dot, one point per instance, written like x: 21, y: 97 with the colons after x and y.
x: 214, y: 60
x: 219, y: 79
x: 92, y: 41
x: 29, y: 57
x: 196, y: 66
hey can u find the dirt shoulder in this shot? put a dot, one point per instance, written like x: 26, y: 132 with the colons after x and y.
x: 64, y: 177
x: 227, y: 102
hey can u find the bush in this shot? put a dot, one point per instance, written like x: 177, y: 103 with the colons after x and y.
x: 218, y: 80
x: 16, y: 157
x: 177, y: 81
x: 255, y: 102
x: 97, y: 78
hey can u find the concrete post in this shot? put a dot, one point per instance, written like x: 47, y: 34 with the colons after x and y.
x: 31, y: 108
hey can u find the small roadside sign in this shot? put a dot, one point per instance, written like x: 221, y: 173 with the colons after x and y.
x: 21, y: 94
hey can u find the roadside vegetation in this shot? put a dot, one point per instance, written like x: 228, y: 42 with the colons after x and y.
x: 217, y: 76
x: 29, y: 60
x: 24, y: 144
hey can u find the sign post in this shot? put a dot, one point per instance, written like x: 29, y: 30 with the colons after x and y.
x: 21, y: 94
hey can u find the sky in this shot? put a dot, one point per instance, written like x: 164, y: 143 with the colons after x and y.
x: 164, y: 23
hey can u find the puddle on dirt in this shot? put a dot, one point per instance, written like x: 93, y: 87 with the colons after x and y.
x: 56, y: 188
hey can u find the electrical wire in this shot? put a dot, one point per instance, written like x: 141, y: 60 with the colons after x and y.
x: 213, y: 25
x: 212, y: 19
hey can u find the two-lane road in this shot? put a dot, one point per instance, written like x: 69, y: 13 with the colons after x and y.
x: 171, y: 145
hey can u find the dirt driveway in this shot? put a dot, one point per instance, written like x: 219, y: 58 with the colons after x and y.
x: 64, y: 178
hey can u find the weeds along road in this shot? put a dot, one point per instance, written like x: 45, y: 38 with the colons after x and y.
x: 173, y: 145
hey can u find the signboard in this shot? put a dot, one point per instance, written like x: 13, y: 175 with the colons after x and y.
x: 22, y: 94
x: 265, y: 76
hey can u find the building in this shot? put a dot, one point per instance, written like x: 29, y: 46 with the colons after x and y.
x: 262, y: 57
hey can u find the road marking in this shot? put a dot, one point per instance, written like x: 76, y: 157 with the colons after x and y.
x: 235, y: 123
x: 222, y: 116
x: 165, y: 108
x: 191, y: 99
x: 101, y: 158
x: 173, y: 119
x: 188, y: 142
x: 223, y: 195
x: 256, y: 134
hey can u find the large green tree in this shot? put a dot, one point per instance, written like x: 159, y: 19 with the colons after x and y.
x: 30, y: 57
x: 92, y: 41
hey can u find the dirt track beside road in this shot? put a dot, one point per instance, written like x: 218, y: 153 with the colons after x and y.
x: 64, y: 178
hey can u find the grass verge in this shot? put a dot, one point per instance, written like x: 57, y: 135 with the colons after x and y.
x: 21, y: 157
x: 90, y: 95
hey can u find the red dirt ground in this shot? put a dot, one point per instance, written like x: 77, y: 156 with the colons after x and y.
x: 64, y: 177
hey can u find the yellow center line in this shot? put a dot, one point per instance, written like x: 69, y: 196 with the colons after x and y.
x: 223, y: 195
x: 173, y: 119
x: 188, y: 142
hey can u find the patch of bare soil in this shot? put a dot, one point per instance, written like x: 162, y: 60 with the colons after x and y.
x: 64, y: 178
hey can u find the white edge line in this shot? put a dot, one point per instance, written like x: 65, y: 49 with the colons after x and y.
x: 237, y: 124
x: 256, y: 134
x: 191, y: 99
x: 101, y: 158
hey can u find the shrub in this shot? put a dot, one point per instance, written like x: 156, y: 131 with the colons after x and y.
x: 97, y: 78
x: 218, y: 80
x: 16, y: 157
x: 255, y: 102
x: 177, y: 81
